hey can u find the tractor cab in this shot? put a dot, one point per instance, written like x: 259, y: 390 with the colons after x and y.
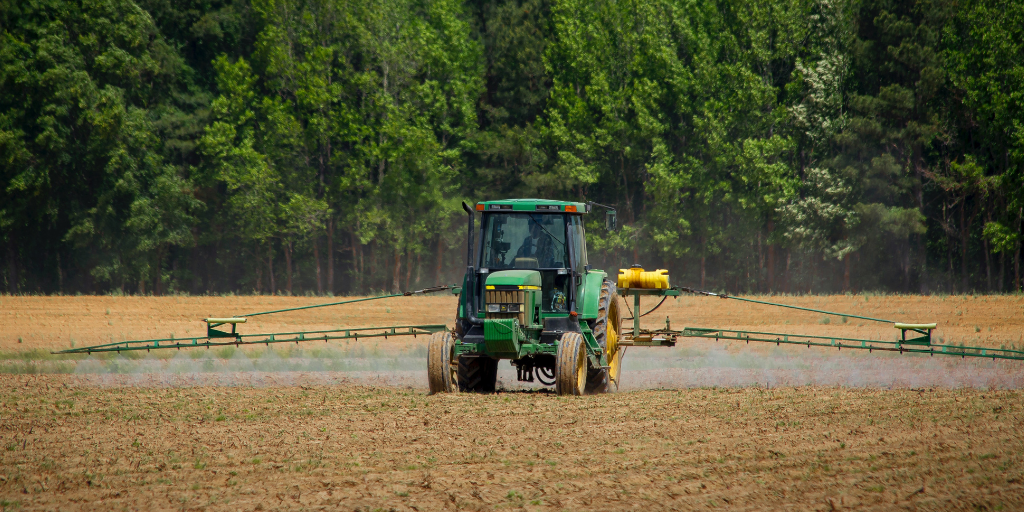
x: 550, y: 244
x: 535, y: 248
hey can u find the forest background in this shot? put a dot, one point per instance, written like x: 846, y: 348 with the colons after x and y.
x: 325, y: 146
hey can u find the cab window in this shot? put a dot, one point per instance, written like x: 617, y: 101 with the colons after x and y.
x: 579, y: 242
x: 525, y: 241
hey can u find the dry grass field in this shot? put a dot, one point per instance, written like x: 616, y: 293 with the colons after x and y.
x: 351, y: 427
x: 53, y: 323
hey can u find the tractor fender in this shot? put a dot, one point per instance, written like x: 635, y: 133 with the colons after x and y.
x: 591, y: 294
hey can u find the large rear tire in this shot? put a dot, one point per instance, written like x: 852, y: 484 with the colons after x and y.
x: 606, y: 332
x: 571, y: 365
x: 477, y: 374
x: 441, y: 373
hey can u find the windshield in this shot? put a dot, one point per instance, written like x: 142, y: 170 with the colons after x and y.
x: 525, y: 241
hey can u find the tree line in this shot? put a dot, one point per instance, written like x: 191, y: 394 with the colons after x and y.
x: 325, y: 146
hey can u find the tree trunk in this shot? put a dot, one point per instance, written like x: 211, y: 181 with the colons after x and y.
x: 814, y: 274
x: 270, y: 266
x: 362, y: 260
x: 157, y: 288
x: 846, y: 273
x: 356, y: 264
x: 12, y: 265
x: 60, y: 275
x: 1016, y: 268
x: 1016, y: 254
x: 923, y: 251
x: 288, y: 264
x: 395, y: 285
x: 922, y: 242
x: 174, y: 264
x: 785, y: 276
x: 259, y: 274
x: 330, y: 255
x: 629, y: 198
x: 210, y: 270
x: 440, y: 260
x: 964, y: 238
x: 316, y: 258
x: 193, y: 264
x: 988, y: 255
x: 988, y: 265
x: 408, y: 270
x: 949, y: 272
x: 1002, y: 271
x: 702, y: 274
x: 760, y: 283
x: 771, y: 258
x: 372, y: 267
x: 416, y: 279
x: 908, y: 266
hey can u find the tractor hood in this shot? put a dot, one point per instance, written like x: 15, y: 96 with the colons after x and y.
x: 520, y: 278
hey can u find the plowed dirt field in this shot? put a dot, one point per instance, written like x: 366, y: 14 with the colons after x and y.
x: 350, y: 427
x: 67, y: 447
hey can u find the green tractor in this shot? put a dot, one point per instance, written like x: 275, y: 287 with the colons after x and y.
x: 530, y: 296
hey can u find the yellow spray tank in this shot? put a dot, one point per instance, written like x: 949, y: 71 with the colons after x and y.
x: 636, y: 277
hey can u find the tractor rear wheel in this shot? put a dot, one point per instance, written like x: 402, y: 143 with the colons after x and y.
x: 441, y: 373
x: 477, y: 374
x: 571, y: 365
x: 606, y: 332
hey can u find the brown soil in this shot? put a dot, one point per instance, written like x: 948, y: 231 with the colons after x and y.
x: 233, y: 439
x: 71, y: 447
x: 52, y: 323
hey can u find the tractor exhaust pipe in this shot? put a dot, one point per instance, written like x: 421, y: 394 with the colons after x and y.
x: 469, y: 237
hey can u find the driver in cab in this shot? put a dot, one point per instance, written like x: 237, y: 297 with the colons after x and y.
x: 538, y: 245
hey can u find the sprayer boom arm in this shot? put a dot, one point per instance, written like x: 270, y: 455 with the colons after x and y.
x: 919, y: 341
x: 261, y: 339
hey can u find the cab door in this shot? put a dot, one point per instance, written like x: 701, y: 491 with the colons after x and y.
x: 578, y: 258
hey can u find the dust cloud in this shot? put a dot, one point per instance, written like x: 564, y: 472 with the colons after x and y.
x: 330, y: 365
x: 722, y: 365
x: 738, y: 365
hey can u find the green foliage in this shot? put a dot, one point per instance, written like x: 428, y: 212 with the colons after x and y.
x: 265, y: 145
x: 1001, y: 237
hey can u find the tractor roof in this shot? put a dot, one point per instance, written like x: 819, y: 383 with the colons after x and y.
x: 532, y: 205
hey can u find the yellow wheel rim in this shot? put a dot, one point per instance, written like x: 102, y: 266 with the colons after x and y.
x: 614, y: 355
x: 581, y: 372
x: 453, y: 368
x: 612, y: 342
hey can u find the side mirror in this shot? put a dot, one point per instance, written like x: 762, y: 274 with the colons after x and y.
x: 609, y: 220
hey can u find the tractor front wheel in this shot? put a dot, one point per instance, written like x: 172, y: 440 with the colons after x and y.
x: 441, y: 373
x: 571, y: 365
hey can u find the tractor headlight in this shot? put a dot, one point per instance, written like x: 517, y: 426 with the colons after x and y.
x: 504, y: 308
